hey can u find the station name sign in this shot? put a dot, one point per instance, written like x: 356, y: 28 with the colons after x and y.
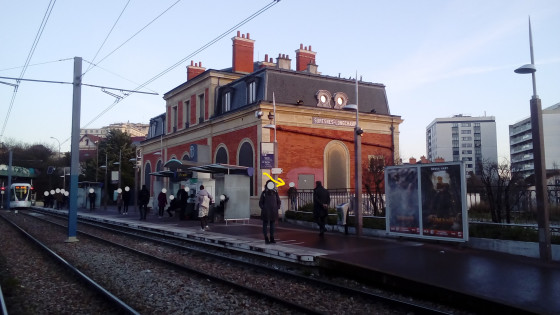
x: 333, y: 122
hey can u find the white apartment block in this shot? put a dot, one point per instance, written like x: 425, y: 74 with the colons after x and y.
x: 469, y: 139
x: 521, y: 142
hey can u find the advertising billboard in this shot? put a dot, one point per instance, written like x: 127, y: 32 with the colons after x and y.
x: 427, y: 201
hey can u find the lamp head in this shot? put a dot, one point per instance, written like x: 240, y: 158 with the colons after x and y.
x: 525, y: 69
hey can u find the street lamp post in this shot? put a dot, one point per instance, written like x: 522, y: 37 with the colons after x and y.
x: 357, y: 165
x: 539, y: 159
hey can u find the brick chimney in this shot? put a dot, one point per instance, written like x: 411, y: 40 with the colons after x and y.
x: 243, y: 48
x: 304, y: 57
x: 284, y: 62
x: 267, y: 63
x: 412, y: 160
x: 194, y: 70
x: 439, y: 160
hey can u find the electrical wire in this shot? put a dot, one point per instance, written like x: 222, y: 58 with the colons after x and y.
x: 36, y: 64
x: 205, y: 46
x: 107, y: 37
x: 27, y: 61
x: 130, y: 38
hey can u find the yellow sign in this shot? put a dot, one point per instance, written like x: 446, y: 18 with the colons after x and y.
x: 279, y: 182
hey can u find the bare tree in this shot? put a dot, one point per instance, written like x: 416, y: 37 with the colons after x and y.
x: 374, y: 181
x: 501, y: 186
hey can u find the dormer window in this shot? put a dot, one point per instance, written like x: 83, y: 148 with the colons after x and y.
x: 251, y: 92
x: 226, y: 105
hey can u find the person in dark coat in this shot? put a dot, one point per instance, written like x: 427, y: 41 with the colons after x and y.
x: 126, y: 199
x: 292, y: 196
x: 269, y: 204
x: 92, y: 195
x: 143, y: 199
x: 182, y: 198
x: 162, y: 202
x: 321, y: 201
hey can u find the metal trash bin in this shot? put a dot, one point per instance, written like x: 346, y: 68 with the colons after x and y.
x: 342, y: 215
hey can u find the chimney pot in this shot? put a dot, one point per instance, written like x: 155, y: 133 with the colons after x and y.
x: 265, y: 57
x: 300, y: 46
x: 309, y: 47
x: 238, y: 33
x: 248, y: 37
x: 192, y: 63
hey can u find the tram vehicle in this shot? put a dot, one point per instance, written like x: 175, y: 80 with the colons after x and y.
x: 20, y: 195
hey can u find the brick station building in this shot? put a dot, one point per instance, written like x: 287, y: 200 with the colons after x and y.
x: 225, y: 116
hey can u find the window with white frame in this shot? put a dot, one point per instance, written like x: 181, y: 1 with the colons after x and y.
x: 251, y: 92
x: 227, y: 102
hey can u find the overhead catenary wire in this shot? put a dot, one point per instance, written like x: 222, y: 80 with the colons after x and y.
x: 107, y: 37
x: 205, y: 46
x: 27, y: 61
x: 130, y: 38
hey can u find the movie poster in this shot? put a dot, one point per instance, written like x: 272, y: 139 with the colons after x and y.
x: 402, y: 198
x: 442, y: 208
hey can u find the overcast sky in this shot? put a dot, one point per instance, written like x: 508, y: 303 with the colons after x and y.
x: 436, y: 58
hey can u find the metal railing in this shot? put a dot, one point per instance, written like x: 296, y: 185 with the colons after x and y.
x: 523, y: 204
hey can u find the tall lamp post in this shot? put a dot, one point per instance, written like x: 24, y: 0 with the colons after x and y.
x: 539, y: 159
x: 357, y: 164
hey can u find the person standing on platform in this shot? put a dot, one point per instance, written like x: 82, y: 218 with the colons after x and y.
x: 204, y: 201
x: 143, y: 199
x: 162, y: 202
x: 92, y: 197
x: 321, y: 201
x: 126, y: 199
x: 269, y: 203
x: 119, y: 200
x: 292, y: 196
x: 182, y: 198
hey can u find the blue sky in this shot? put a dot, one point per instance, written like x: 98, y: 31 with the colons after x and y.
x: 437, y: 58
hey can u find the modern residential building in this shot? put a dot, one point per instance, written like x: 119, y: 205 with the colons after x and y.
x: 267, y: 117
x: 521, y: 142
x: 463, y: 138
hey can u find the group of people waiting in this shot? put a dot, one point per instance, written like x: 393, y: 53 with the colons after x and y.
x: 269, y: 203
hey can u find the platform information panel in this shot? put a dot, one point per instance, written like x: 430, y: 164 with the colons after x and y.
x: 427, y: 201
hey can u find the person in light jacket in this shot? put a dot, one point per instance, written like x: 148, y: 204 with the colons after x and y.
x: 269, y: 203
x: 204, y: 200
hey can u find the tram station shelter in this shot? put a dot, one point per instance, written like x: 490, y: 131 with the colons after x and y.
x: 287, y: 123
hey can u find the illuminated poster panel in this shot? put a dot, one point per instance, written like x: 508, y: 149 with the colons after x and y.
x: 427, y: 200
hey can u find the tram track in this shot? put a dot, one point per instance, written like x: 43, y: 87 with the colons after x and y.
x: 77, y: 285
x: 357, y: 300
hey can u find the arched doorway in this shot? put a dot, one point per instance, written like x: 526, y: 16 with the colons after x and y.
x: 337, y: 165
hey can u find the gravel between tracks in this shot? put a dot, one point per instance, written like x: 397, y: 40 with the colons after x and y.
x: 152, y: 289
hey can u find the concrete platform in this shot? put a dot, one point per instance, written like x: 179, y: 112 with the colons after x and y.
x: 490, y: 278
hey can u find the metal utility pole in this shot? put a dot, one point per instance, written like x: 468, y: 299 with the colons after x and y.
x: 75, y: 149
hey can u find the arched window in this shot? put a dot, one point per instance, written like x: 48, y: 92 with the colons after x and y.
x: 337, y: 165
x: 246, y: 158
x: 222, y: 155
